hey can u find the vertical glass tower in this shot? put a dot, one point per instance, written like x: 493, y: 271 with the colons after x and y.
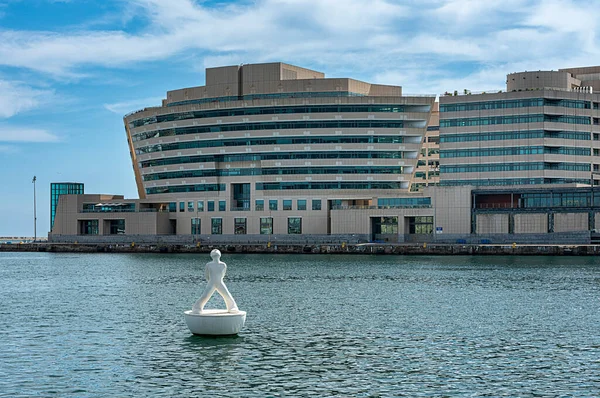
x: 62, y: 188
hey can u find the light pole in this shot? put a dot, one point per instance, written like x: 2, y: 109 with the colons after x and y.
x: 34, y: 212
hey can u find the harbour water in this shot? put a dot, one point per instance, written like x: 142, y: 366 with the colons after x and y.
x: 318, y: 325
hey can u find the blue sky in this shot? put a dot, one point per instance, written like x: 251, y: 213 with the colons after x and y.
x: 70, y: 69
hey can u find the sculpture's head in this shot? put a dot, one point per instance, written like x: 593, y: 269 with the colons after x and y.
x: 215, y: 254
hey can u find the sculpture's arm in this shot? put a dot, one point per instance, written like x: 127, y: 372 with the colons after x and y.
x: 206, y: 274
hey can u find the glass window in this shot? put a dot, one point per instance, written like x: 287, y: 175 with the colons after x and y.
x: 259, y: 205
x: 239, y: 226
x: 294, y: 225
x: 211, y: 205
x: 420, y: 225
x: 301, y: 204
x: 272, y: 204
x: 190, y: 206
x: 116, y: 227
x: 181, y: 206
x: 287, y: 204
x: 216, y: 226
x: 89, y: 227
x: 200, y: 205
x: 195, y: 226
x: 266, y: 225
x: 172, y: 207
x: 222, y: 205
x: 316, y: 204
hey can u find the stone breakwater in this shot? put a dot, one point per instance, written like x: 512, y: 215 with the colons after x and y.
x: 342, y: 248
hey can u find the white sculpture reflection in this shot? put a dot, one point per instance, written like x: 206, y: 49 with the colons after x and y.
x: 215, y: 322
x: 214, y: 273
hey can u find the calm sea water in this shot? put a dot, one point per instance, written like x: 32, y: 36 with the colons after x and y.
x: 112, y: 325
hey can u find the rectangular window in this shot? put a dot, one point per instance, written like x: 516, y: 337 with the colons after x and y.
x: 259, y: 205
x: 172, y: 207
x: 266, y: 226
x: 116, y: 227
x: 287, y: 204
x: 294, y: 225
x: 200, y: 205
x: 239, y: 226
x: 216, y: 227
x: 272, y: 204
x: 191, y: 206
x: 89, y: 227
x: 420, y: 225
x: 195, y: 226
x: 211, y: 205
x: 181, y: 206
x: 301, y: 204
x: 316, y: 204
x: 222, y: 205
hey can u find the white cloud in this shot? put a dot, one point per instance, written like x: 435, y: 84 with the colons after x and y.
x: 24, y: 134
x: 364, y: 38
x: 122, y: 108
x: 16, y: 97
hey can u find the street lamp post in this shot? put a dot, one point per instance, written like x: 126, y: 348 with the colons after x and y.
x: 34, y: 212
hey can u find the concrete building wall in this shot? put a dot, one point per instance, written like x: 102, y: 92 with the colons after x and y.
x: 530, y: 223
x: 492, y: 224
x: 540, y: 79
x: 452, y: 208
x: 567, y: 222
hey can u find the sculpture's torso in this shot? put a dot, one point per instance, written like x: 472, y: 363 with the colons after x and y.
x: 216, y: 270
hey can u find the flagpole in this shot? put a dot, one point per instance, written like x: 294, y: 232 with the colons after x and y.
x: 34, y: 212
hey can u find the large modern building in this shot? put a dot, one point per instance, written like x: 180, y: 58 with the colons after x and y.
x: 272, y: 149
x: 280, y: 153
x: 543, y: 130
x: 531, y: 150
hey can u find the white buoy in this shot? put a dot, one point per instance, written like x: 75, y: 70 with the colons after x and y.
x: 215, y: 322
x: 219, y: 322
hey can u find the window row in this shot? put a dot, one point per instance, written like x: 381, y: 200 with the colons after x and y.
x: 274, y: 110
x: 274, y: 171
x: 186, y: 188
x: 514, y: 103
x: 514, y: 181
x: 259, y: 205
x: 512, y: 119
x: 512, y: 151
x: 404, y: 202
x: 92, y: 227
x: 256, y: 157
x: 515, y: 135
x: 278, y: 186
x: 294, y: 226
x: 558, y: 199
x: 301, y: 124
x: 362, y: 139
x: 522, y: 166
x: 250, y: 97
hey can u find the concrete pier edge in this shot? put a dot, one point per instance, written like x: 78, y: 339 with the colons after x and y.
x: 342, y: 248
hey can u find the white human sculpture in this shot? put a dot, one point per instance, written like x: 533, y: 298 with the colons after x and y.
x: 214, y: 272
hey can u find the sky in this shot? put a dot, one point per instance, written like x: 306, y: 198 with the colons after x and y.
x: 71, y: 69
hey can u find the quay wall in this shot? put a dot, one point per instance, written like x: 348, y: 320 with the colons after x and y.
x: 344, y: 248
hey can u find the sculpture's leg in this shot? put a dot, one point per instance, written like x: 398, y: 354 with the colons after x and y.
x: 198, y: 306
x: 229, y: 301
